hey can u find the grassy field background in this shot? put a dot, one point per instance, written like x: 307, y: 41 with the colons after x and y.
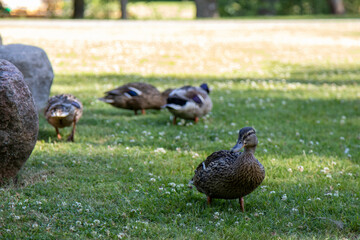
x: 126, y: 176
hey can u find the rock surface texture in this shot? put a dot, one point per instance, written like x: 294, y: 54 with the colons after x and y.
x: 36, y: 68
x: 19, y: 122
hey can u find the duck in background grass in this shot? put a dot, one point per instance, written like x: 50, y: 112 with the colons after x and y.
x: 189, y: 102
x: 230, y: 174
x: 136, y: 96
x: 62, y: 111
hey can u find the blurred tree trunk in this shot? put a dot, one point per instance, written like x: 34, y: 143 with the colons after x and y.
x: 337, y: 6
x: 206, y: 8
x: 123, y: 4
x: 79, y: 7
x: 267, y: 7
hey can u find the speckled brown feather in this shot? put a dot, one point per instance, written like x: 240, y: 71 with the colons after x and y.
x: 150, y: 97
x: 229, y: 175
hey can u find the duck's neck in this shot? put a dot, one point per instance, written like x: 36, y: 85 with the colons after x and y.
x: 250, y: 150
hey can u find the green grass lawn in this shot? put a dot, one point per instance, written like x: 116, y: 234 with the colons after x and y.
x: 126, y: 176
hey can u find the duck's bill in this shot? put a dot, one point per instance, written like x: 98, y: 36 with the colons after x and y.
x: 239, y: 145
x: 106, y: 100
x: 59, y: 114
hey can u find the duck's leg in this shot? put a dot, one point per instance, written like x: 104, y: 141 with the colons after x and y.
x: 174, y: 120
x: 57, y: 133
x: 143, y: 111
x: 241, y: 201
x: 71, y: 137
x: 196, y: 119
x: 135, y: 111
x: 209, y: 200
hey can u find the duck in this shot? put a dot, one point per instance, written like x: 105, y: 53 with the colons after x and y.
x: 136, y: 96
x: 189, y: 102
x: 63, y: 110
x: 231, y: 174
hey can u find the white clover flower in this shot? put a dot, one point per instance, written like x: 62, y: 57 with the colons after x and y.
x: 131, y: 169
x: 178, y: 149
x: 300, y: 168
x: 265, y: 150
x: 132, y: 140
x: 272, y: 192
x: 284, y: 197
x: 342, y: 138
x: 35, y: 225
x: 318, y: 199
x: 294, y: 210
x: 72, y: 228
x: 168, y: 193
x: 152, y: 180
x: 329, y: 175
x: 161, y: 188
x: 161, y: 133
x: 346, y: 150
x: 289, y: 170
x: 160, y: 150
x: 301, y: 140
x: 121, y: 235
x: 188, y: 204
x: 349, y: 174
x: 336, y: 194
x: 269, y: 139
x: 328, y: 194
x: 16, y: 217
x: 172, y: 184
x: 177, y: 137
x: 198, y: 229
x: 195, y: 155
x: 78, y: 223
x: 325, y: 170
x: 96, y: 222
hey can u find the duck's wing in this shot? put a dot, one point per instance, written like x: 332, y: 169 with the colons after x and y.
x: 180, y: 97
x: 225, y: 156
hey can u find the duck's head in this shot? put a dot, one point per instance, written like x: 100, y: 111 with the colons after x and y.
x: 247, y: 139
x: 205, y: 87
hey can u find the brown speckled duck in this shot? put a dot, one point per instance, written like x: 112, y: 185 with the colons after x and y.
x: 136, y: 96
x: 62, y: 111
x: 189, y: 102
x: 229, y: 174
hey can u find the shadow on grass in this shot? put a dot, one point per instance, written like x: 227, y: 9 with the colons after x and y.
x: 314, y: 119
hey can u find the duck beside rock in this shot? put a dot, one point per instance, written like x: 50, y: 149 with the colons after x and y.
x: 62, y: 111
x: 229, y: 174
x: 136, y: 96
x: 189, y: 102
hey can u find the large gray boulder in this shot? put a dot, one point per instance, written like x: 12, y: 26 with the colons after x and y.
x: 19, y: 122
x: 36, y: 68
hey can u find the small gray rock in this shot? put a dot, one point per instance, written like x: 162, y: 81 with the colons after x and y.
x: 19, y: 122
x: 36, y: 68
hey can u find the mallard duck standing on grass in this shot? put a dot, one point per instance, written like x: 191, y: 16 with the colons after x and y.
x: 189, y: 102
x: 62, y: 111
x: 136, y: 96
x: 229, y: 174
